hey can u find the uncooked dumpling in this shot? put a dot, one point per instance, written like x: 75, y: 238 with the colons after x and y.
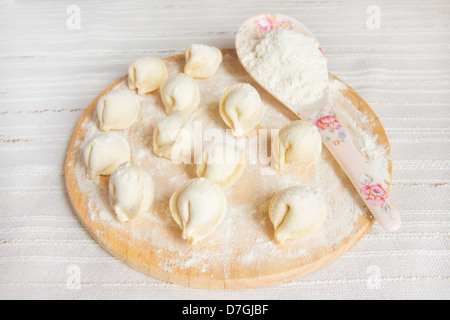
x: 146, y: 74
x: 131, y: 191
x: 202, y: 61
x: 198, y: 207
x: 241, y: 108
x: 172, y: 138
x: 103, y: 154
x: 117, y: 110
x: 298, y: 145
x: 222, y: 163
x: 180, y: 93
x: 296, y: 212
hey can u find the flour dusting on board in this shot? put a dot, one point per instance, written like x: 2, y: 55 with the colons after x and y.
x: 245, y: 236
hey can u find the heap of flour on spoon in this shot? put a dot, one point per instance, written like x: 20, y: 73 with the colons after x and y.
x: 287, y: 63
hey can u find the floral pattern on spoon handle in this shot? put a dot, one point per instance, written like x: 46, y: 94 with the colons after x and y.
x: 341, y: 146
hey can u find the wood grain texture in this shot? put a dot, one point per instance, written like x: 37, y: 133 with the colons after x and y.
x: 148, y: 259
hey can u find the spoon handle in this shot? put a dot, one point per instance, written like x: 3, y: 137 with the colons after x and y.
x: 340, y: 144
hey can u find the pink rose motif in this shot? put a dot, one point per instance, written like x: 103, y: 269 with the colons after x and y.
x: 286, y: 25
x: 375, y: 193
x: 327, y: 123
x: 266, y: 23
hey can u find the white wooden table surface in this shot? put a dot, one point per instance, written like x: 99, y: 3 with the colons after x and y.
x: 57, y: 56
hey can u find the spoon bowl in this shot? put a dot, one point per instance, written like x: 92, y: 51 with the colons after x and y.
x: 255, y: 28
x: 258, y: 25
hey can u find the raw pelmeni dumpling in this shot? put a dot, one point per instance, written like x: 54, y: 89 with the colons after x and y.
x: 131, y: 191
x: 221, y: 163
x: 298, y: 145
x: 296, y: 212
x: 241, y: 108
x: 172, y: 138
x: 103, y: 154
x: 202, y: 61
x: 198, y: 207
x: 117, y: 110
x: 180, y: 93
x: 146, y: 74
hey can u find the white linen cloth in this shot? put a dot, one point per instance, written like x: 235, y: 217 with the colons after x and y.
x: 57, y: 56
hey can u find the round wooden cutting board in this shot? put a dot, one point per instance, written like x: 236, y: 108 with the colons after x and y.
x: 241, y: 252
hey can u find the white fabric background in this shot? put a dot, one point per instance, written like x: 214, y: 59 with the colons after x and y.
x: 49, y: 73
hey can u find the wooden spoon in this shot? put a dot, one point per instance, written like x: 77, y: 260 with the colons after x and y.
x: 322, y: 115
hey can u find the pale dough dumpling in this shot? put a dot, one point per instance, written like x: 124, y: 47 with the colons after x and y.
x: 180, y: 93
x: 298, y: 145
x: 202, y: 61
x: 103, y: 154
x: 198, y: 207
x: 131, y: 191
x: 221, y: 163
x: 117, y: 110
x: 296, y: 212
x: 146, y: 74
x: 172, y: 138
x: 241, y: 108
